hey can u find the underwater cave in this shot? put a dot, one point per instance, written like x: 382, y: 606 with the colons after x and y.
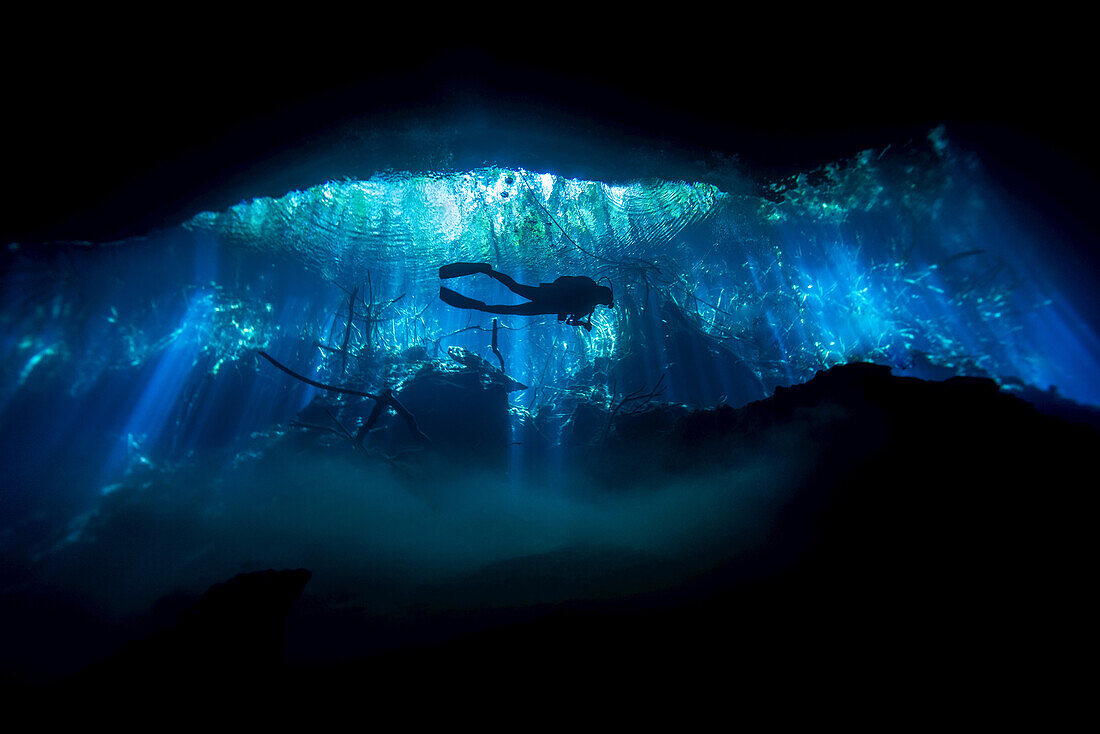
x: 830, y: 404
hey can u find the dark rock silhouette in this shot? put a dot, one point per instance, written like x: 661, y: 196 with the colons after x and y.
x: 934, y: 554
x: 940, y: 540
x: 464, y: 408
x: 233, y: 635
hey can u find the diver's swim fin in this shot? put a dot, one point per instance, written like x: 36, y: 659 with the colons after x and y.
x: 458, y: 300
x: 456, y: 270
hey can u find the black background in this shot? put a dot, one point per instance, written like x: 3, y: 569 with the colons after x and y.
x: 117, y: 126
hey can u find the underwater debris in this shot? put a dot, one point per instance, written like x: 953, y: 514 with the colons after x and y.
x: 486, y: 371
x: 314, y: 383
x: 340, y: 430
x: 639, y: 396
x: 371, y: 316
x: 386, y: 399
x: 496, y: 351
x: 347, y: 333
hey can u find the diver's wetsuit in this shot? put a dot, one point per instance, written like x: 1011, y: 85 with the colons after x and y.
x: 570, y: 297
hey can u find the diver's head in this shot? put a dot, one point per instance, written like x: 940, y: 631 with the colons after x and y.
x: 604, y: 296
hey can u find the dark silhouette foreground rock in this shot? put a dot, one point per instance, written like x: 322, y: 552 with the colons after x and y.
x: 934, y: 556
x: 230, y: 639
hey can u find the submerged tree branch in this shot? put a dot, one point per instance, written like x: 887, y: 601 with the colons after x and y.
x: 637, y: 395
x: 314, y: 383
x: 385, y: 400
x: 495, y: 350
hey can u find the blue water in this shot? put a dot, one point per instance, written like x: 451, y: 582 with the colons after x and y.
x: 144, y: 441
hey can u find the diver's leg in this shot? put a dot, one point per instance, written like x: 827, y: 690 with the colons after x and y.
x: 457, y: 270
x: 460, y: 301
x: 530, y: 292
x: 522, y: 309
x: 451, y: 298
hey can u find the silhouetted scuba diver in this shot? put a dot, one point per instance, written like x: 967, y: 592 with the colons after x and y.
x: 571, y: 297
